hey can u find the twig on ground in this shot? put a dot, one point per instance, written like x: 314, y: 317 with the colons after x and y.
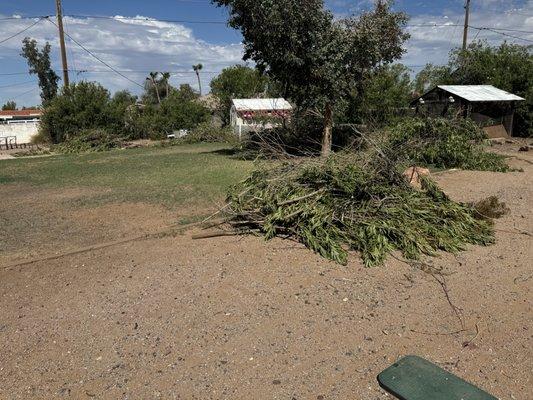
x: 440, y: 279
x: 469, y: 342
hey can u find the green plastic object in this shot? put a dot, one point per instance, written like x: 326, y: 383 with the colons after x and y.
x: 413, y: 378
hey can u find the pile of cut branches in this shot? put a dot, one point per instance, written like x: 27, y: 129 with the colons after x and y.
x: 356, y: 202
x: 443, y: 143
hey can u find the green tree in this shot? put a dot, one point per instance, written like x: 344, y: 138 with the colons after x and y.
x: 197, y: 68
x: 39, y: 63
x: 387, y: 90
x: 237, y: 82
x: 165, y: 78
x: 430, y: 76
x: 10, y: 105
x: 152, y: 89
x: 180, y: 110
x: 508, y: 67
x: 118, y: 109
x: 156, y: 87
x: 317, y: 60
x: 79, y: 106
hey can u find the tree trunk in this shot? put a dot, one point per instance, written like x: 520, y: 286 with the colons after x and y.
x: 156, y: 91
x: 199, y: 83
x: 327, y: 135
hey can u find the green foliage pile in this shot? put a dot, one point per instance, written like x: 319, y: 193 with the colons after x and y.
x: 353, y: 202
x: 442, y: 143
x: 89, y: 140
x: 209, y: 133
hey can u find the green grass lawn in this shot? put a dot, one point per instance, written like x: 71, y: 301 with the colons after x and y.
x: 187, y: 175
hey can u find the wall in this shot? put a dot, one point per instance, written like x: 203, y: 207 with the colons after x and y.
x: 24, y: 131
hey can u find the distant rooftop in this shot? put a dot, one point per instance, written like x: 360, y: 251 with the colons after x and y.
x: 480, y: 93
x: 261, y: 104
x: 6, y: 114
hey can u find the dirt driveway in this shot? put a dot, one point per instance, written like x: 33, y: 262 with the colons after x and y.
x: 238, y: 318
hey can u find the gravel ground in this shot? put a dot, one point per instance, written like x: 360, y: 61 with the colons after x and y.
x: 240, y: 318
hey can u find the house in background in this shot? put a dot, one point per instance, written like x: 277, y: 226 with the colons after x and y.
x: 252, y: 115
x: 18, y: 126
x: 492, y: 108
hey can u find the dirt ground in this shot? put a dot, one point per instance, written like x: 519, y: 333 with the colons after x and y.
x: 240, y: 318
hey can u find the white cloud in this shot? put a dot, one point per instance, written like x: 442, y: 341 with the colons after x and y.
x: 433, y: 44
x: 129, y: 45
x: 139, y: 44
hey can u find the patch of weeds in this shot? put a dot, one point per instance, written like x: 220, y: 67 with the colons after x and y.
x: 491, y: 208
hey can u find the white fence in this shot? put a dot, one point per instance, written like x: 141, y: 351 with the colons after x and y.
x: 24, y: 131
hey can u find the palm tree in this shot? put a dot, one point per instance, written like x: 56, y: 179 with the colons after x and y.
x: 152, y: 78
x: 166, y: 78
x: 197, y: 68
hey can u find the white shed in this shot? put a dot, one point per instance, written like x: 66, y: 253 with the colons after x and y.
x: 257, y: 114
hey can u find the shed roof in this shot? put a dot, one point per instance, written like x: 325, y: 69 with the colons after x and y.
x: 474, y: 93
x: 261, y: 104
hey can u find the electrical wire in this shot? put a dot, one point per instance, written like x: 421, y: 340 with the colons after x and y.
x: 24, y: 93
x: 22, y: 31
x: 501, y: 33
x: 17, y: 84
x: 98, y: 58
x: 21, y: 18
x: 123, y: 71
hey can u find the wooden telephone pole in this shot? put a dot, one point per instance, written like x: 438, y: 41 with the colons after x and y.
x: 465, y: 33
x: 62, y: 42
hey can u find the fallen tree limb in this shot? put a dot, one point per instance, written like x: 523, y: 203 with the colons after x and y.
x: 209, y: 235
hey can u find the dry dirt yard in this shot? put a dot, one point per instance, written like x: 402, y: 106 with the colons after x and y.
x: 240, y: 318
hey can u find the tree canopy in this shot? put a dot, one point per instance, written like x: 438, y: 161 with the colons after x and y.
x: 10, y: 105
x: 39, y: 63
x: 387, y: 89
x: 317, y: 60
x: 508, y: 67
x: 238, y: 81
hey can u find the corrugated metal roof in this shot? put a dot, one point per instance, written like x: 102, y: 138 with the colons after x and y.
x: 261, y: 104
x: 480, y: 93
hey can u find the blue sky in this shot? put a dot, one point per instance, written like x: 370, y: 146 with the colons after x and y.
x: 134, y: 46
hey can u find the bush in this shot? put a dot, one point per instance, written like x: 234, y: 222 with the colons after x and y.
x: 209, y: 133
x: 177, y: 111
x: 80, y: 106
x: 89, y: 140
x: 442, y: 143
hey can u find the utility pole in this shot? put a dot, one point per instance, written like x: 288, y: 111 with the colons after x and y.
x: 62, y: 42
x: 465, y: 33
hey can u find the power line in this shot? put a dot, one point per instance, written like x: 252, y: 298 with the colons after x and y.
x: 17, y: 84
x: 24, y: 93
x: 98, y: 58
x: 21, y: 18
x: 22, y: 31
x: 509, y: 30
x: 501, y: 33
x: 123, y: 71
